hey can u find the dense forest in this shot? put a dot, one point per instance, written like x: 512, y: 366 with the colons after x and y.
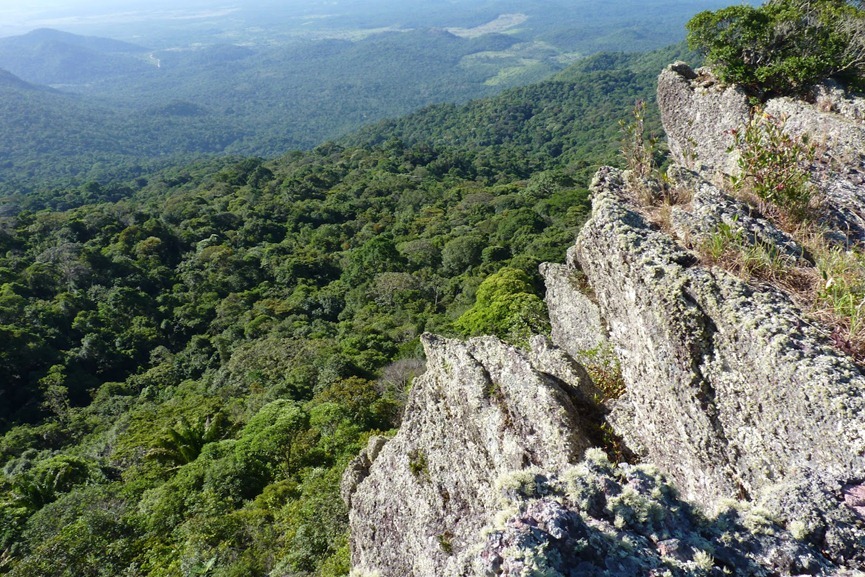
x: 191, y: 357
x: 76, y: 109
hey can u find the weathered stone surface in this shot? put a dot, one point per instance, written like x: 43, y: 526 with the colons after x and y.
x: 698, y: 121
x: 729, y: 390
x: 575, y: 319
x: 596, y: 519
x: 817, y: 508
x: 479, y: 411
x: 831, y: 97
x: 358, y: 468
x: 710, y: 210
x: 839, y: 168
x: 838, y: 135
x: 698, y: 117
x: 550, y: 359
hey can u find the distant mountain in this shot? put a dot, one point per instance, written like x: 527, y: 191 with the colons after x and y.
x: 240, y: 95
x: 51, y: 138
x: 568, y: 120
x: 48, y: 56
x: 9, y: 80
x: 234, y: 100
x: 43, y: 36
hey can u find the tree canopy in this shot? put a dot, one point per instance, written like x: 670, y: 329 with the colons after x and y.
x: 784, y: 46
x: 190, y: 361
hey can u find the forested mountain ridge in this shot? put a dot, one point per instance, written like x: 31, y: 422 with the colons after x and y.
x: 190, y: 367
x: 265, y: 90
x: 49, y: 56
x: 7, y: 79
x: 262, y: 102
x: 530, y: 125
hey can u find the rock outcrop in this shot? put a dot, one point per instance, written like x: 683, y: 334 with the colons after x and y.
x: 730, y: 390
x: 480, y: 411
x: 750, y: 421
x: 700, y: 115
x: 596, y: 519
x: 575, y: 319
x: 710, y: 210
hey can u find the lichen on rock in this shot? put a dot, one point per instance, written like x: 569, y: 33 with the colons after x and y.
x: 479, y: 411
x: 597, y: 519
x: 750, y: 424
x: 700, y: 121
x: 730, y: 390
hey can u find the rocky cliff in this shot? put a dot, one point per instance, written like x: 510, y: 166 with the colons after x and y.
x: 743, y: 418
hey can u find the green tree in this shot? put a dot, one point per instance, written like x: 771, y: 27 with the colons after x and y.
x: 184, y: 441
x: 462, y: 253
x: 784, y: 46
x: 507, y: 307
x: 36, y: 488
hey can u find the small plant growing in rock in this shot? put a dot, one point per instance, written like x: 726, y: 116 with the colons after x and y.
x: 840, y: 298
x: 798, y: 529
x: 638, y: 149
x: 773, y: 165
x: 652, y: 189
x: 704, y: 560
x: 525, y: 483
x: 718, y: 244
x: 417, y: 463
x: 603, y: 366
x: 446, y: 542
x: 728, y: 248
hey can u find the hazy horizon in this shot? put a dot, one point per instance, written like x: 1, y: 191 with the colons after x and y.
x: 165, y: 19
x: 103, y: 17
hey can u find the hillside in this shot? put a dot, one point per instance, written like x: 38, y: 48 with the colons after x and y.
x: 262, y: 102
x: 529, y: 126
x: 194, y: 356
x: 699, y: 406
x: 461, y: 342
x: 289, y: 80
x: 48, y: 56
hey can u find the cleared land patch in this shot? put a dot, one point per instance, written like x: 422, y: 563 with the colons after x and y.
x: 500, y: 24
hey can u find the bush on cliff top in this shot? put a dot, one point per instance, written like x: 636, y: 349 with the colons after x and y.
x: 785, y: 46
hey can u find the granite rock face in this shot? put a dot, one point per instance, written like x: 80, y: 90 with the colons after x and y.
x: 839, y: 167
x: 749, y: 422
x: 575, y: 319
x: 699, y: 116
x: 480, y: 410
x: 600, y: 520
x: 710, y: 210
x: 730, y: 390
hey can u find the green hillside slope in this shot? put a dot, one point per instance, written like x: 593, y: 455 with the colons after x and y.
x: 187, y: 371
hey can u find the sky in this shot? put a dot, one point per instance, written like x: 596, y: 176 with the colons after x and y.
x: 86, y: 16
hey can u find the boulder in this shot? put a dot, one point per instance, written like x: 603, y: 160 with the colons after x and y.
x: 481, y: 410
x: 574, y: 317
x: 711, y: 211
x: 597, y: 519
x: 699, y: 116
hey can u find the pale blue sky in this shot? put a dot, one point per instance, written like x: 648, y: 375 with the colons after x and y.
x: 82, y: 15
